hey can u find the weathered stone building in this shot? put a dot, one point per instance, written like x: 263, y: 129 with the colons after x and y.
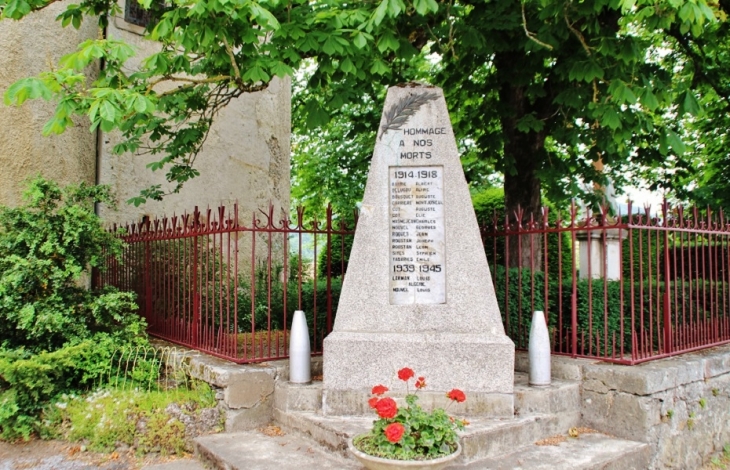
x: 245, y: 158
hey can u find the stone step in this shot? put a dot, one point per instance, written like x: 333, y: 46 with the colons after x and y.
x: 541, y: 412
x: 329, y: 431
x: 558, y: 397
x: 291, y: 451
x: 586, y: 452
x: 482, y: 438
x: 298, y: 397
x: 254, y: 450
x: 488, y: 438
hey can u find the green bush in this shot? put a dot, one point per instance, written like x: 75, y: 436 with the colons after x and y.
x: 331, y: 262
x: 517, y: 303
x: 56, y: 335
x: 308, y: 305
x: 489, y: 203
x: 269, y: 309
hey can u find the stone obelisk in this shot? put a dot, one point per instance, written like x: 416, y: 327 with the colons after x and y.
x: 418, y: 292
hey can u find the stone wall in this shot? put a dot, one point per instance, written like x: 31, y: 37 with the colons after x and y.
x: 31, y: 46
x: 244, y: 159
x: 680, y: 406
x: 245, y: 393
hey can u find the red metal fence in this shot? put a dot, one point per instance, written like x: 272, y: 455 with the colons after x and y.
x: 207, y: 281
x: 625, y: 289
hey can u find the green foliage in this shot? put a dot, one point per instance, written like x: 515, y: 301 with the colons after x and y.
x: 210, y: 54
x: 56, y: 335
x: 489, y: 207
x: 331, y: 262
x: 317, y: 295
x: 45, y: 249
x: 269, y: 309
x: 268, y: 299
x: 514, y: 291
x: 138, y: 418
x: 609, y: 314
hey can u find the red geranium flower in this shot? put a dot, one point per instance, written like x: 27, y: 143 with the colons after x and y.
x: 386, y: 408
x: 456, y: 395
x: 394, y: 431
x: 379, y: 389
x: 373, y: 402
x: 405, y: 374
x: 421, y: 382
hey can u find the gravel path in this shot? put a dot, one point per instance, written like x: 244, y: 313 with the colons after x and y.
x: 57, y: 455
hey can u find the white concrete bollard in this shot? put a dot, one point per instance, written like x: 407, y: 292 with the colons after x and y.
x: 300, y: 360
x: 539, y: 350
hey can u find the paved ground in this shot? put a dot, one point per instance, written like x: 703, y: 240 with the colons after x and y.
x: 56, y: 455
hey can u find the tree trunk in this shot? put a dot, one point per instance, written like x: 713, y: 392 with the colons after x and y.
x: 523, y: 152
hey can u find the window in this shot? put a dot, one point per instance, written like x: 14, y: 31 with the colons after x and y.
x: 135, y: 14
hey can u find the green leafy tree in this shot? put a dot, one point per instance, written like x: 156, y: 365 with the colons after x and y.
x: 540, y: 89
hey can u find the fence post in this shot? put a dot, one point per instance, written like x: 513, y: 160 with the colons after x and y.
x: 147, y: 282
x: 668, y: 346
x: 196, y: 300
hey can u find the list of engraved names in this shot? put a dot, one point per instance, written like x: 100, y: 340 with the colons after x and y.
x: 417, y: 274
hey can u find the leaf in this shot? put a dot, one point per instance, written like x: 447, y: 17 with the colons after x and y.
x: 331, y: 46
x: 140, y: 104
x: 611, y: 118
x: 347, y: 66
x: 17, y: 93
x: 388, y: 42
x: 621, y: 93
x: 675, y: 142
x: 627, y: 5
x: 379, y: 13
x: 280, y: 69
x: 256, y: 74
x: 359, y: 40
x: 648, y: 99
x: 108, y: 111
x: 689, y: 104
x: 379, y: 67
x: 264, y: 17
x: 530, y: 123
x: 592, y: 71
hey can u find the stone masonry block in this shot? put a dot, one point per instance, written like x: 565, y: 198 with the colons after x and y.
x: 249, y: 389
x: 716, y: 361
x: 621, y: 414
x: 643, y: 379
x: 249, y: 418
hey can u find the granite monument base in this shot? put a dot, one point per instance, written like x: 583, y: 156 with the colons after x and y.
x: 356, y: 361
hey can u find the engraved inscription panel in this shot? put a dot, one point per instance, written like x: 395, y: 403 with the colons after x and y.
x: 417, y: 259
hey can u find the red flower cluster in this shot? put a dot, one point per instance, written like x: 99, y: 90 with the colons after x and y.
x: 456, y: 395
x: 394, y: 431
x: 421, y: 382
x: 379, y: 390
x: 405, y: 374
x: 386, y: 407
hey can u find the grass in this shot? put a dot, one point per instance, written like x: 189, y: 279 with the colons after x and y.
x: 110, y: 418
x: 720, y: 461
